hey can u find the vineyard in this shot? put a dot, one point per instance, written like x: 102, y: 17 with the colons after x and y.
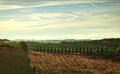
x: 77, y: 49
x: 59, y: 58
x: 14, y: 62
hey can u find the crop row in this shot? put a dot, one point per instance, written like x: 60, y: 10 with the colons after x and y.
x: 14, y: 64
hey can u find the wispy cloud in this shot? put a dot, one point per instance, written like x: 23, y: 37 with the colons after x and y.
x: 5, y: 5
x: 59, y: 19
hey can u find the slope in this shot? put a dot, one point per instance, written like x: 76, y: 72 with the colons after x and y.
x: 14, y: 61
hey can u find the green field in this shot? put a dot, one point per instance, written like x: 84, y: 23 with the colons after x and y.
x: 14, y: 62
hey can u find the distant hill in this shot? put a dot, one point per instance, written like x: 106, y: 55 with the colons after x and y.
x: 68, y: 40
x: 4, y: 40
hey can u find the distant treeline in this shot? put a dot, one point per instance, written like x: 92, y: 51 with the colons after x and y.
x: 4, y: 40
x: 107, y: 43
x: 112, y: 43
x: 105, y: 48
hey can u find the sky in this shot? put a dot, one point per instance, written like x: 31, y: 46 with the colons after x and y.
x: 59, y: 19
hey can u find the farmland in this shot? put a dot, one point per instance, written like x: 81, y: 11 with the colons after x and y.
x: 106, y: 48
x: 79, y: 57
x: 47, y: 63
x: 14, y: 62
x: 59, y: 37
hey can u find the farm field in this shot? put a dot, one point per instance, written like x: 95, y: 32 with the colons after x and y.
x: 48, y: 63
x: 14, y: 62
x: 59, y: 37
x: 89, y: 57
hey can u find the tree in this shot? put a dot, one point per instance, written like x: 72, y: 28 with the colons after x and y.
x: 118, y: 50
x: 23, y: 45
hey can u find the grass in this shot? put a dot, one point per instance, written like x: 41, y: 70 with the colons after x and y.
x: 48, y: 63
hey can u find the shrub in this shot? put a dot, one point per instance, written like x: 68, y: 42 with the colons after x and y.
x: 118, y: 50
x: 108, y: 53
x: 8, y: 46
x: 23, y: 45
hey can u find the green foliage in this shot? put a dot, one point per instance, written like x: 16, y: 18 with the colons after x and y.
x: 23, y: 45
x: 108, y: 52
x: 14, y: 64
x: 8, y: 46
x: 118, y: 50
x: 105, y: 49
x: 96, y: 52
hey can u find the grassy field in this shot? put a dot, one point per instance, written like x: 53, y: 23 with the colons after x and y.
x: 47, y: 63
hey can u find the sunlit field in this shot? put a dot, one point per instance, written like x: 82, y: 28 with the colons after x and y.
x: 47, y: 63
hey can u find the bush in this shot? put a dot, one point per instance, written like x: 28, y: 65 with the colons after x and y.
x: 108, y: 53
x: 95, y: 53
x: 8, y: 46
x: 23, y: 45
x: 118, y: 50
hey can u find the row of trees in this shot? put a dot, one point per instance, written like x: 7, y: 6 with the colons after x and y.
x: 66, y: 48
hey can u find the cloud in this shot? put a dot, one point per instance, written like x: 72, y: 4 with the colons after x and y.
x: 34, y: 20
x: 6, y: 7
x: 51, y: 16
x: 23, y: 4
x: 58, y: 21
x: 93, y: 24
x: 17, y: 4
x: 67, y: 19
x: 10, y: 25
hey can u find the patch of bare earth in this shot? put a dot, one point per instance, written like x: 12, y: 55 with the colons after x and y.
x: 6, y: 50
x: 71, y: 64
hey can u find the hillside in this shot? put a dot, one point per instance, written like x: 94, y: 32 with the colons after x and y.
x: 48, y: 63
x: 60, y: 58
x: 14, y: 61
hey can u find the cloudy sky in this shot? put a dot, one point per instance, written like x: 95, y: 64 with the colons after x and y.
x: 61, y: 19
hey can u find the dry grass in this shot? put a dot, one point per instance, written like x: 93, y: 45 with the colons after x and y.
x: 47, y: 63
